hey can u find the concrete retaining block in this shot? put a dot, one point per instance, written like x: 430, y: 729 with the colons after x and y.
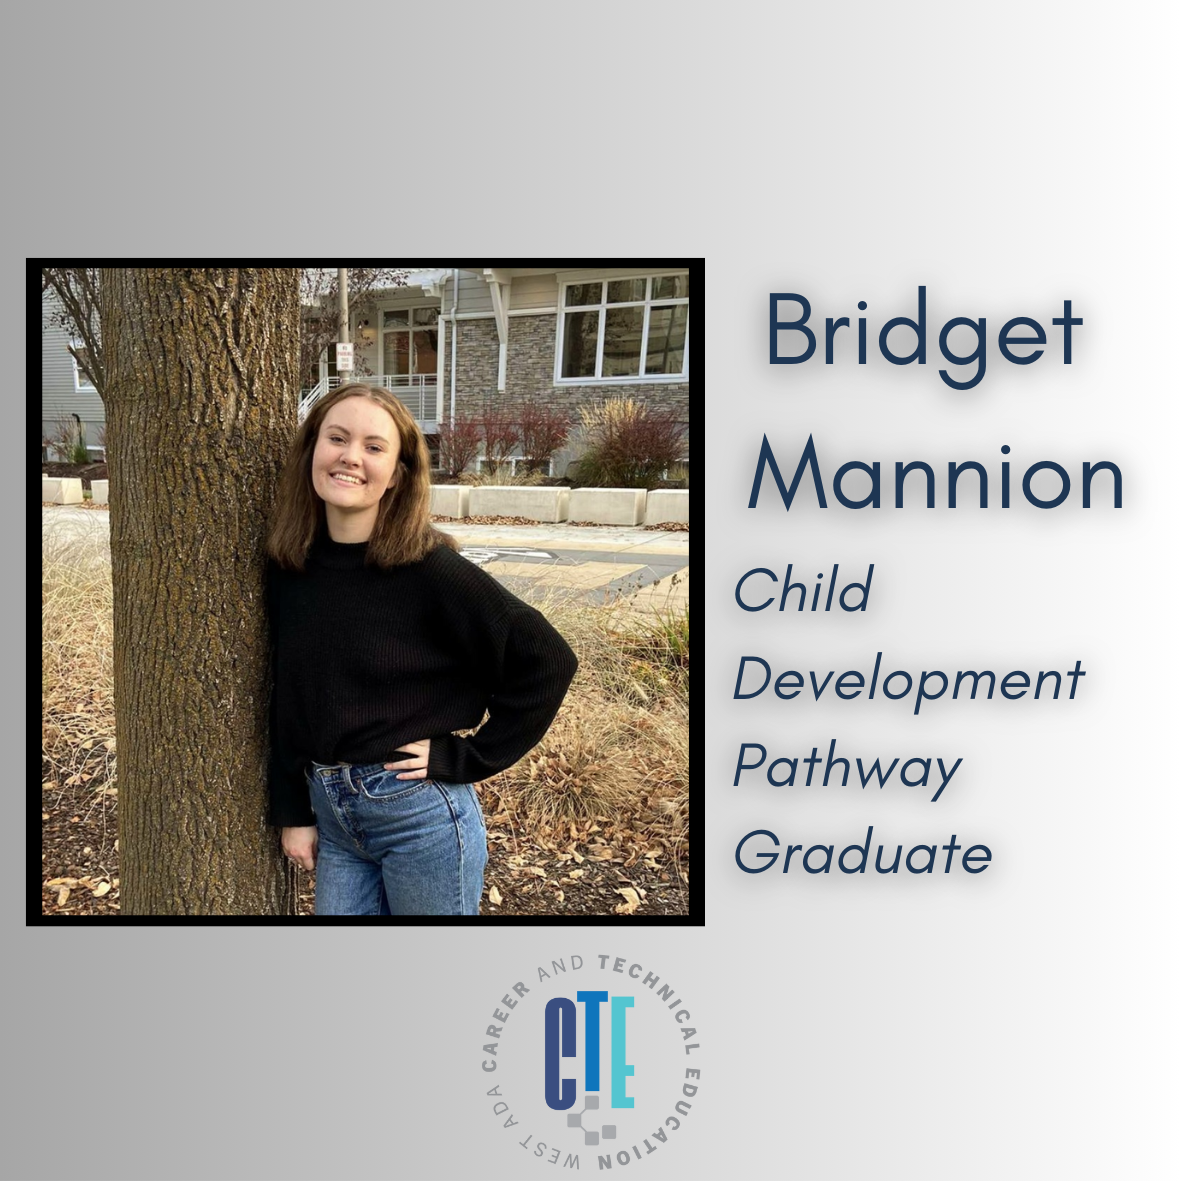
x: 608, y: 506
x: 538, y: 504
x: 98, y: 491
x: 667, y: 504
x: 60, y: 491
x: 449, y: 500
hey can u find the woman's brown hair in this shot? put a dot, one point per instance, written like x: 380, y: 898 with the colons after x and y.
x: 403, y: 531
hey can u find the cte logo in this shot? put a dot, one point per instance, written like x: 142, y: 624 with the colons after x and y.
x: 561, y: 1026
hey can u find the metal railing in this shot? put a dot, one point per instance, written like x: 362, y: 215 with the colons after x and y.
x: 417, y: 391
x: 308, y: 398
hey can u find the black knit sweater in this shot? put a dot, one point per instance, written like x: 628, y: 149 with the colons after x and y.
x: 367, y: 660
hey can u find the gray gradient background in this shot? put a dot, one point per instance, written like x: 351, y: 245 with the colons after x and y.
x: 1009, y: 1025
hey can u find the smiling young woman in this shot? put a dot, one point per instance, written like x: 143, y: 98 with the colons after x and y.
x: 386, y: 641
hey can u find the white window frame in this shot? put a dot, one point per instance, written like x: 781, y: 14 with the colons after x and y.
x: 601, y: 307
x: 81, y: 385
x: 409, y: 327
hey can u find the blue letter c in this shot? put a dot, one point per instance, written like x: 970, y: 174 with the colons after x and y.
x: 560, y: 1015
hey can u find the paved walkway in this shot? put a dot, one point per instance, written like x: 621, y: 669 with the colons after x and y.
x: 599, y: 561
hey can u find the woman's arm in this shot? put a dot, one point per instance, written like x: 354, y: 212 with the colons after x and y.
x: 529, y: 667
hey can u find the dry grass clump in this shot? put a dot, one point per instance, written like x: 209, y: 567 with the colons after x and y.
x: 580, y: 770
x: 628, y: 443
x: 618, y: 751
x: 655, y: 651
x: 661, y: 742
x: 77, y: 691
x: 638, y: 658
x: 502, y: 476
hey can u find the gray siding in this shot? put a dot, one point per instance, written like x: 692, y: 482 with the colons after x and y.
x: 406, y: 297
x: 534, y: 291
x: 615, y: 273
x: 58, y: 393
x: 473, y: 294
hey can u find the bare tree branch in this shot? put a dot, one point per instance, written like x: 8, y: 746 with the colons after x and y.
x: 318, y: 295
x: 76, y: 311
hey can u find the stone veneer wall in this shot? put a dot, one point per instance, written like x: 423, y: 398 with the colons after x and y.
x: 529, y: 372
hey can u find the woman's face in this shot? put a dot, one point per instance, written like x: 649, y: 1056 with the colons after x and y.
x: 353, y: 465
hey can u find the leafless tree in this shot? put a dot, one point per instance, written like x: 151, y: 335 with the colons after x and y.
x: 75, y: 309
x: 318, y: 294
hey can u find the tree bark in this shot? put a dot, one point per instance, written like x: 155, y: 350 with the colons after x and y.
x: 201, y: 410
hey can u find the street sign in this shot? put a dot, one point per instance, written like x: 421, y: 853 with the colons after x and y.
x: 344, y: 357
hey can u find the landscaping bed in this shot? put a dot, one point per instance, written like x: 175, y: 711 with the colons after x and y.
x: 76, y: 471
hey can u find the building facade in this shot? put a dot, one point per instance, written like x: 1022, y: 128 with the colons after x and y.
x: 68, y: 400
x: 452, y: 341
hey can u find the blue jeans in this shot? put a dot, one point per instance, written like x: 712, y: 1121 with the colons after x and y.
x: 396, y: 846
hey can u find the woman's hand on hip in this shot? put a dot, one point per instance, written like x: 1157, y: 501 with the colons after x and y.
x: 300, y: 844
x: 415, y: 756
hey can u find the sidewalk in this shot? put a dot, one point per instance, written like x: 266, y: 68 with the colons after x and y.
x: 599, y: 561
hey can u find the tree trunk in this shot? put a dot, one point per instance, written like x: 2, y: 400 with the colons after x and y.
x: 201, y: 410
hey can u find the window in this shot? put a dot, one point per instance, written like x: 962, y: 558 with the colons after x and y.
x: 81, y: 381
x: 410, y: 341
x: 624, y: 329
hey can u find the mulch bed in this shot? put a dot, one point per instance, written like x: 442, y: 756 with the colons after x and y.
x: 591, y: 876
x: 74, y: 471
